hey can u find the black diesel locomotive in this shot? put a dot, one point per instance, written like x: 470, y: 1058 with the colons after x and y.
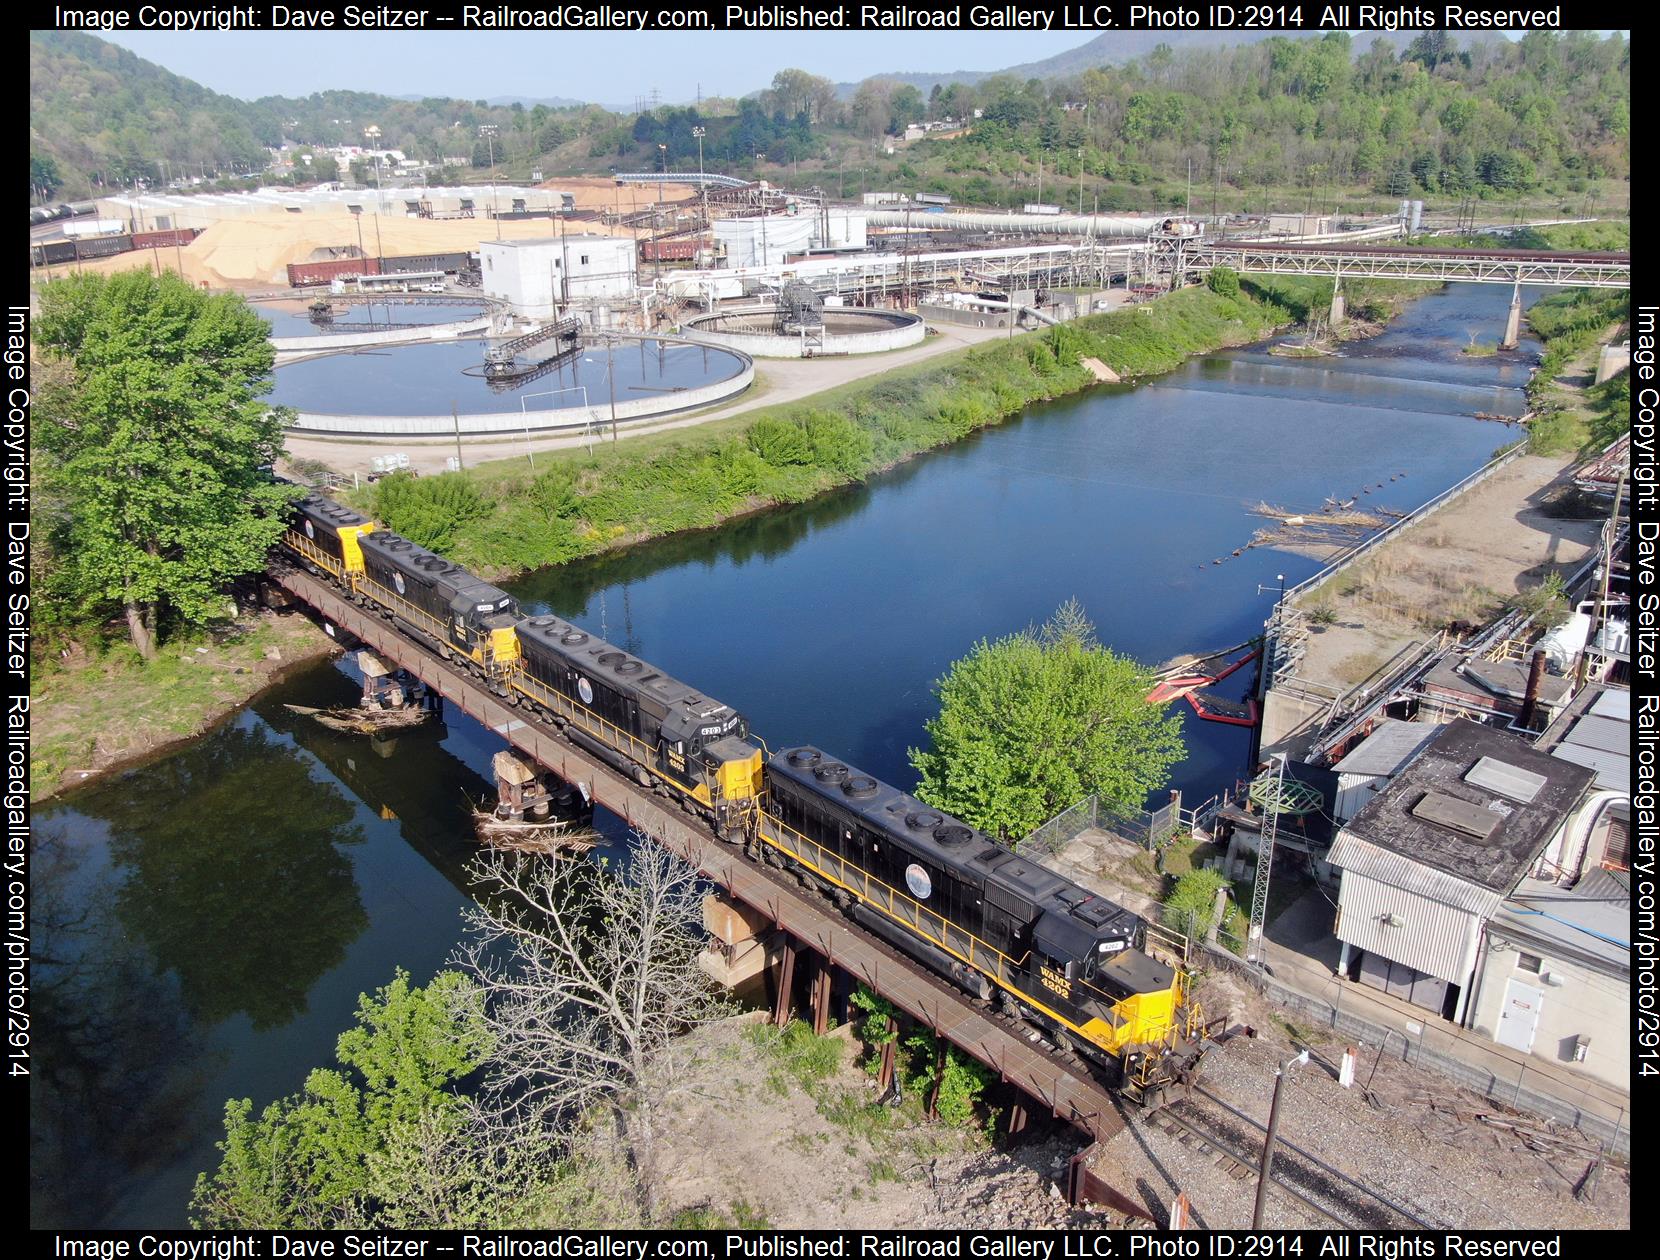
x: 946, y: 894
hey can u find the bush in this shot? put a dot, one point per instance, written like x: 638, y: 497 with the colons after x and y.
x: 1223, y: 281
x: 1189, y: 906
x: 780, y: 442
x: 429, y: 510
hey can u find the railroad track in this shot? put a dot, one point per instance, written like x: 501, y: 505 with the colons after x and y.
x: 1212, y: 1126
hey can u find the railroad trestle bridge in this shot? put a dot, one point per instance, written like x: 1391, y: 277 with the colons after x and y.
x: 816, y: 935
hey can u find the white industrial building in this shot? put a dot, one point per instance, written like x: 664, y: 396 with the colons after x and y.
x: 1487, y: 883
x: 540, y: 278
x: 1368, y: 769
x: 160, y: 211
x: 769, y: 240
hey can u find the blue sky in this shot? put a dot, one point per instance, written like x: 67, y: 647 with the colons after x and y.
x: 608, y: 67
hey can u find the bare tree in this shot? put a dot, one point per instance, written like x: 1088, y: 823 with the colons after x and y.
x: 591, y: 977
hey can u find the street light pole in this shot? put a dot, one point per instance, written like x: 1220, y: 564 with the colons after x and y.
x: 702, y: 187
x: 1267, y: 1167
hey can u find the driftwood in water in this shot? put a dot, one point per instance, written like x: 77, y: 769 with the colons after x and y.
x: 356, y: 721
x: 551, y: 836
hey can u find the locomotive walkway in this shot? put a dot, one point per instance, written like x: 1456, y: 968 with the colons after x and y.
x: 1070, y: 1094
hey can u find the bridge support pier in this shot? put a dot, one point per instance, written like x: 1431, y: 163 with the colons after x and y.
x: 783, y: 1009
x: 521, y: 789
x: 1339, y: 307
x: 819, y: 999
x: 1513, y: 321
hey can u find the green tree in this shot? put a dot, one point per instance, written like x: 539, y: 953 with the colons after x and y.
x: 160, y: 444
x: 316, y: 1159
x: 1031, y: 723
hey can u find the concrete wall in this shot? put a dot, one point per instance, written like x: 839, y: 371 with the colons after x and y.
x: 509, y: 422
x: 391, y: 337
x: 1584, y: 1003
x: 766, y: 346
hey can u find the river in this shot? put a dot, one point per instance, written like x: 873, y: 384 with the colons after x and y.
x: 203, y: 925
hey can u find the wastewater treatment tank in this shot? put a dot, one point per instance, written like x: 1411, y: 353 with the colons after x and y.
x: 790, y: 329
x: 434, y: 388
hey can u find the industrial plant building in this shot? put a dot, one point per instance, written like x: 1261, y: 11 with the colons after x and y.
x: 541, y: 277
x: 1483, y: 880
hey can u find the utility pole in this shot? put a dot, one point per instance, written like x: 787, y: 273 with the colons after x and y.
x: 488, y: 131
x: 702, y: 187
x: 1267, y: 1167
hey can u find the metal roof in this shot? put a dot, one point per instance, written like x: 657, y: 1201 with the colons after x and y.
x: 1606, y: 733
x: 1351, y: 853
x: 1390, y: 746
x: 1613, y: 770
x: 1613, y: 704
x: 1590, y: 921
x: 1497, y: 861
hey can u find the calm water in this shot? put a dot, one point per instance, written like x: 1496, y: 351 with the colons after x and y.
x: 212, y: 917
x: 429, y: 379
x: 292, y: 318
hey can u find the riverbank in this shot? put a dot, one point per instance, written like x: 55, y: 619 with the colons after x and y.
x: 502, y: 518
x: 93, y: 717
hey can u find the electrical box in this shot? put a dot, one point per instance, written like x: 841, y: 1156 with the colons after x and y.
x: 1582, y: 1046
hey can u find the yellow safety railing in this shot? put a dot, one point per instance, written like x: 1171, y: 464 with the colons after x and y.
x: 413, y: 613
x: 926, y: 922
x: 312, y: 552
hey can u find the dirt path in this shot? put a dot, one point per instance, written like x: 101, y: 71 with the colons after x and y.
x: 747, y: 1141
x: 785, y: 380
x: 1460, y: 564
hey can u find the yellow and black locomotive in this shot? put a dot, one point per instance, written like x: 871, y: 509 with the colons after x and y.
x: 964, y: 905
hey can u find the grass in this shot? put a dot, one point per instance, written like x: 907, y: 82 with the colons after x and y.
x: 194, y: 680
x: 578, y: 503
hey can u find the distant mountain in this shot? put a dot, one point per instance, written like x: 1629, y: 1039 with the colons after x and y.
x: 529, y: 102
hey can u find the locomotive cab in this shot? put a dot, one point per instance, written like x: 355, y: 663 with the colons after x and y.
x: 483, y: 628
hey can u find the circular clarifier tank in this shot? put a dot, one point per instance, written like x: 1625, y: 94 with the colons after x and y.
x: 292, y: 317
x: 846, y: 330
x: 433, y: 388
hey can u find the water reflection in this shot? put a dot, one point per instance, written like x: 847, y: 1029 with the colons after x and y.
x: 116, y: 1060
x: 234, y: 840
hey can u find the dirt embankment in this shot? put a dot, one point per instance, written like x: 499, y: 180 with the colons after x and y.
x: 748, y: 1142
x: 95, y: 717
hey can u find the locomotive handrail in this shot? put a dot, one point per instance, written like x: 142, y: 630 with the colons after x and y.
x: 311, y: 551
x: 975, y: 944
x: 521, y: 679
x: 438, y: 629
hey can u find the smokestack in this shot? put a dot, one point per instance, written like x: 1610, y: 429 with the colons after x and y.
x: 1530, y: 701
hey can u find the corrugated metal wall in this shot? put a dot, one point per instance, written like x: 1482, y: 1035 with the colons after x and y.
x: 1432, y: 937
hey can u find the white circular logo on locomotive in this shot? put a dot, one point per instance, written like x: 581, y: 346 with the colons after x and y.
x: 397, y: 581
x: 309, y: 531
x: 916, y: 879
x: 585, y: 689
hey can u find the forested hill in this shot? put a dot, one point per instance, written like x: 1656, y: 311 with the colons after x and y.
x: 101, y: 116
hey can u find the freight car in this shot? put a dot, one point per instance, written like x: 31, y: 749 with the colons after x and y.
x: 401, y: 264
x: 78, y: 249
x: 165, y: 238
x: 683, y: 250
x: 321, y: 271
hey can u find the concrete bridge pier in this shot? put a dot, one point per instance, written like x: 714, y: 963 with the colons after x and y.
x: 1513, y: 322
x: 1339, y: 307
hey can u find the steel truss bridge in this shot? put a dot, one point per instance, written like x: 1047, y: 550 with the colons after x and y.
x: 1469, y: 266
